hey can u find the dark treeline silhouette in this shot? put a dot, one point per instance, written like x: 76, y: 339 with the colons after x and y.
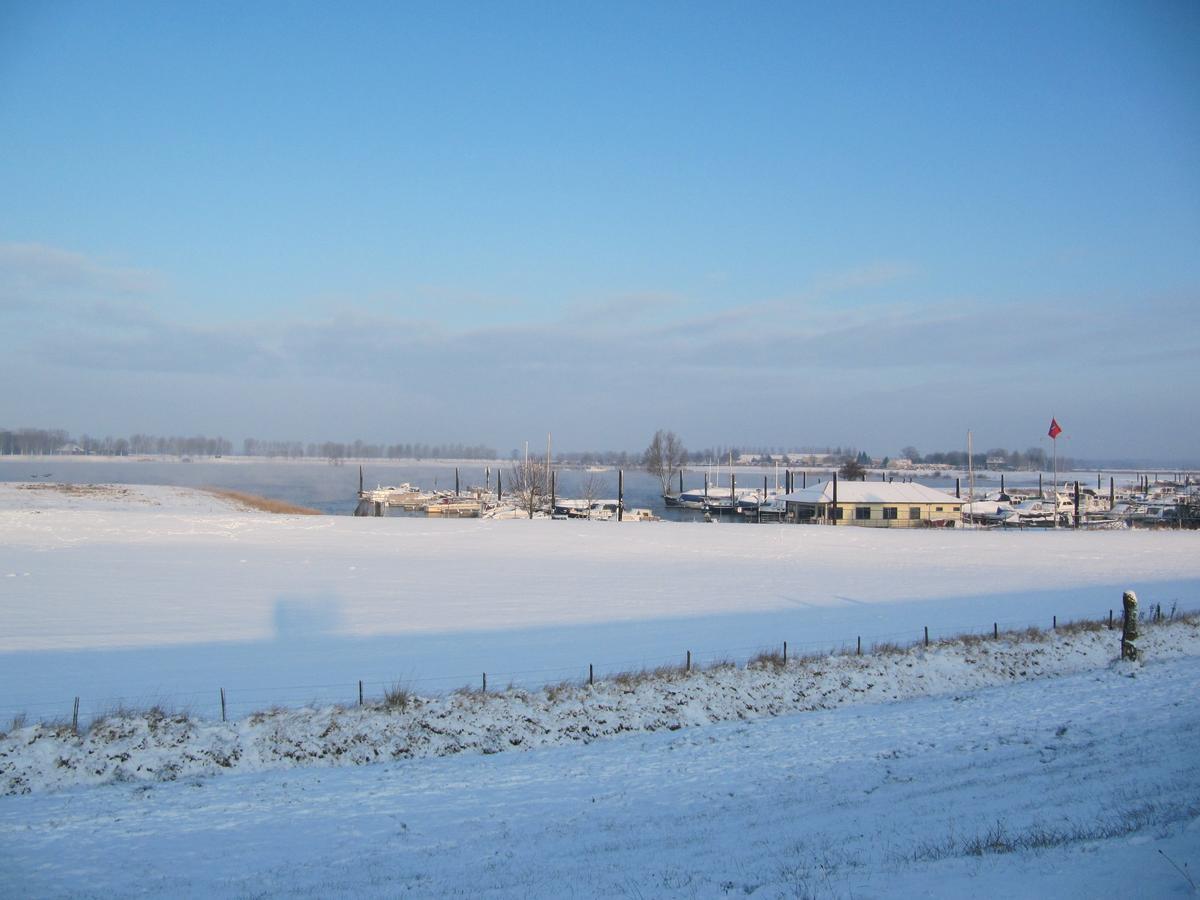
x: 1032, y: 459
x: 25, y: 441
x: 362, y: 450
x: 46, y: 441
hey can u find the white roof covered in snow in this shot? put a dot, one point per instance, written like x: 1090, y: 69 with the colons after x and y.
x: 871, y: 492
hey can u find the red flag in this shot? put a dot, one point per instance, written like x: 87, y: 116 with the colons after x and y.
x: 1055, y: 428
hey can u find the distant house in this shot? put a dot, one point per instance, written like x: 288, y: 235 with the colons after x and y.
x: 876, y: 504
x: 70, y: 450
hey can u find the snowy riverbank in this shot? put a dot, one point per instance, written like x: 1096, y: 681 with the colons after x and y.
x: 143, y: 595
x: 161, y: 745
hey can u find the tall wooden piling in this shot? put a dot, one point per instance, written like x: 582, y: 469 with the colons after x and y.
x: 958, y: 488
x: 1041, y: 493
x: 1129, y: 633
x: 1112, y: 492
x: 620, y: 495
x: 1077, y: 504
x: 499, y: 488
x: 553, y: 496
x: 833, y: 512
x: 456, y: 481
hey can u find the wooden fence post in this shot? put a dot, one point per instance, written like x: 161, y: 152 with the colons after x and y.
x: 689, y: 661
x: 858, y: 650
x: 222, y: 704
x: 75, y: 718
x: 785, y: 653
x: 485, y: 682
x: 360, y: 696
x: 1129, y: 633
x: 926, y: 635
x: 591, y: 674
x: 995, y: 631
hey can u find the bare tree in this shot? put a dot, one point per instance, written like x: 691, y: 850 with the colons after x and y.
x: 529, y: 484
x: 665, y: 457
x: 589, y: 491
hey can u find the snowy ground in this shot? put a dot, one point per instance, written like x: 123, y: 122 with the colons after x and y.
x: 166, y: 595
x: 989, y: 769
x: 1065, y: 787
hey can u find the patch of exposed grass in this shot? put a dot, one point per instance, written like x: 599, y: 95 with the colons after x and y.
x: 265, y: 504
x: 1082, y: 626
x: 259, y: 716
x: 397, y: 696
x: 999, y: 838
x: 558, y: 691
x: 631, y: 678
x: 722, y: 664
x: 767, y: 659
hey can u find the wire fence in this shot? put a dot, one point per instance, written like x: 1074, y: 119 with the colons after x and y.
x: 239, y: 701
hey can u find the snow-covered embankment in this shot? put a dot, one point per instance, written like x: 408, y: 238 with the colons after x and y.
x: 158, y: 745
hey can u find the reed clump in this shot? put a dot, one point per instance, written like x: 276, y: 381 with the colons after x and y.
x: 264, y: 504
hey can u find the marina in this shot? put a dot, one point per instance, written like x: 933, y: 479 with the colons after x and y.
x: 1009, y: 499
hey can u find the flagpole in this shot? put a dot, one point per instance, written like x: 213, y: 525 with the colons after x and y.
x: 1054, y: 440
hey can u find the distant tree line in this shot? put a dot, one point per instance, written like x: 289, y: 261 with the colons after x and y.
x: 363, y: 450
x: 25, y: 441
x: 1033, y: 459
x: 46, y: 441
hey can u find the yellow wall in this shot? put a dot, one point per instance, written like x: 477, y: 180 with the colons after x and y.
x: 951, y: 512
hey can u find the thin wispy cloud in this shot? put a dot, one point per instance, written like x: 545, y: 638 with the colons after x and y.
x: 31, y: 272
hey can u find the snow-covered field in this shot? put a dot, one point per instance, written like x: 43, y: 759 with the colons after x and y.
x: 992, y: 768
x: 160, y: 594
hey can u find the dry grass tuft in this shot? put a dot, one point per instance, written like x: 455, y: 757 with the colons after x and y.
x: 1082, y: 626
x: 265, y: 504
x: 888, y: 648
x: 260, y: 716
x: 634, y: 677
x: 397, y: 696
x: 1032, y: 634
x: 558, y: 691
x: 767, y: 659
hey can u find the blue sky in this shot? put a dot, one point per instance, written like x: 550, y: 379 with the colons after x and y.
x: 793, y: 224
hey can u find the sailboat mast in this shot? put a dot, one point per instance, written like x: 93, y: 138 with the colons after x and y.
x: 970, y: 470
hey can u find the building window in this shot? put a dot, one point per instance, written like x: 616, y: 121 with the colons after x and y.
x: 862, y: 512
x: 837, y: 512
x: 938, y: 508
x: 914, y: 512
x: 890, y: 512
